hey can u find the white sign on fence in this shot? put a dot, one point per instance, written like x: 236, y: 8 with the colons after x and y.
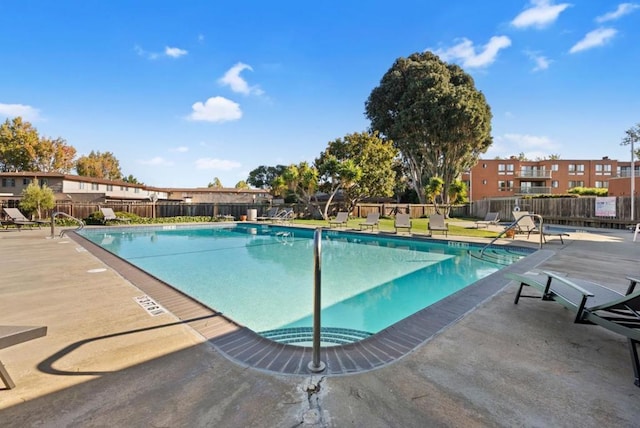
x: 606, y: 206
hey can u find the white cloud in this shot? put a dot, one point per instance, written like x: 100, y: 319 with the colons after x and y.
x: 181, y: 149
x: 27, y: 113
x: 466, y: 52
x: 529, y: 142
x: 174, y: 52
x: 156, y: 161
x: 542, y: 62
x: 594, y: 39
x: 217, y: 164
x: 215, y: 109
x: 237, y: 84
x: 623, y: 9
x: 541, y: 14
x: 168, y: 52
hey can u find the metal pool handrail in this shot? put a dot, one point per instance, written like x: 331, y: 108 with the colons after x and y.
x: 316, y: 366
x: 53, y: 223
x: 515, y: 223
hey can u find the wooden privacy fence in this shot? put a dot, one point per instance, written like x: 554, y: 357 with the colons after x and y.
x: 82, y: 210
x: 414, y: 210
x: 566, y: 211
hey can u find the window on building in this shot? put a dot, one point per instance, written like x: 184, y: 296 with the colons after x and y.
x: 607, y: 169
x: 137, y: 190
x: 95, y: 186
x: 26, y: 181
x: 555, y: 184
x: 484, y: 165
x: 109, y: 187
x: 81, y: 185
x: 502, y: 185
x: 580, y: 168
x: 122, y: 188
x: 44, y: 182
x: 484, y: 181
x: 510, y: 168
x: 8, y: 182
x: 573, y: 184
x: 501, y: 168
x: 602, y: 184
x: 555, y: 167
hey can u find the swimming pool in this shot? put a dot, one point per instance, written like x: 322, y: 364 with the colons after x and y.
x: 261, y: 276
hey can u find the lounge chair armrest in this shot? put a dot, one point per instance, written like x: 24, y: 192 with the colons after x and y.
x: 632, y: 284
x: 566, y: 281
x: 585, y: 293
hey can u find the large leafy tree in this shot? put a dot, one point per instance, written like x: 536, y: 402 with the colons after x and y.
x: 22, y: 149
x: 360, y: 165
x: 99, y: 165
x: 435, y: 116
x: 216, y: 183
x: 300, y: 181
x: 263, y: 176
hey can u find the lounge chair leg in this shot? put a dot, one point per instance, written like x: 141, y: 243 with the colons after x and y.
x: 515, y: 302
x: 634, y: 360
x: 4, y: 375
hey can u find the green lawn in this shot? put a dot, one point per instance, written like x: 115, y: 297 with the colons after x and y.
x: 456, y: 226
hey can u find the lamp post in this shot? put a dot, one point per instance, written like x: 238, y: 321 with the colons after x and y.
x: 633, y: 182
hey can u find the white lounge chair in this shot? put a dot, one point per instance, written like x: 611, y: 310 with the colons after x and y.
x: 16, y: 218
x: 269, y: 215
x: 109, y: 215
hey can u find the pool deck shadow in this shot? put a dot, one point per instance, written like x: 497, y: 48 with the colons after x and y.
x: 106, y: 361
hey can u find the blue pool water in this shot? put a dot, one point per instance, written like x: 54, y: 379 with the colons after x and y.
x: 261, y: 276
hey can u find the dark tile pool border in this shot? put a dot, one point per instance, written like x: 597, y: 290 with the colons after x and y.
x: 249, y: 349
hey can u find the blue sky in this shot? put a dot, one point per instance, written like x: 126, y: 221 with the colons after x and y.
x: 182, y: 92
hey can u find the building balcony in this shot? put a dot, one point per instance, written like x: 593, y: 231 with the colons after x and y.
x: 533, y: 174
x: 535, y: 190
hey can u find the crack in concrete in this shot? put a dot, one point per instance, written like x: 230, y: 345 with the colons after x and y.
x: 314, y: 415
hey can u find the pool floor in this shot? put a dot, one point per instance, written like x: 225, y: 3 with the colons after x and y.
x: 247, y: 348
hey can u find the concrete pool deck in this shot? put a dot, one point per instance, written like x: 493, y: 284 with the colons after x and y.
x: 106, y: 362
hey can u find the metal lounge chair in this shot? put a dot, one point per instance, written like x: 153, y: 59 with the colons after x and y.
x: 14, y: 335
x: 490, y: 218
x: 527, y: 225
x: 403, y: 221
x: 593, y: 304
x: 16, y: 218
x: 437, y: 223
x: 341, y: 219
x: 284, y: 216
x: 373, y: 220
x: 269, y: 215
x: 109, y: 215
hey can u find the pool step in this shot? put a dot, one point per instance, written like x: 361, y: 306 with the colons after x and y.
x: 499, y: 257
x: 299, y: 335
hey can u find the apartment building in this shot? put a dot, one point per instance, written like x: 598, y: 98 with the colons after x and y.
x: 495, y: 178
x: 95, y: 190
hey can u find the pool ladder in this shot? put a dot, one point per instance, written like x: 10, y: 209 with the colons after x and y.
x: 53, y: 223
x: 512, y: 225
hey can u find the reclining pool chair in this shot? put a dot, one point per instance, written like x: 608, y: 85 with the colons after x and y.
x: 490, y: 218
x: 109, y: 215
x: 437, y: 223
x: 16, y: 218
x: 341, y: 219
x: 269, y: 215
x: 373, y: 220
x: 593, y: 304
x: 403, y: 221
